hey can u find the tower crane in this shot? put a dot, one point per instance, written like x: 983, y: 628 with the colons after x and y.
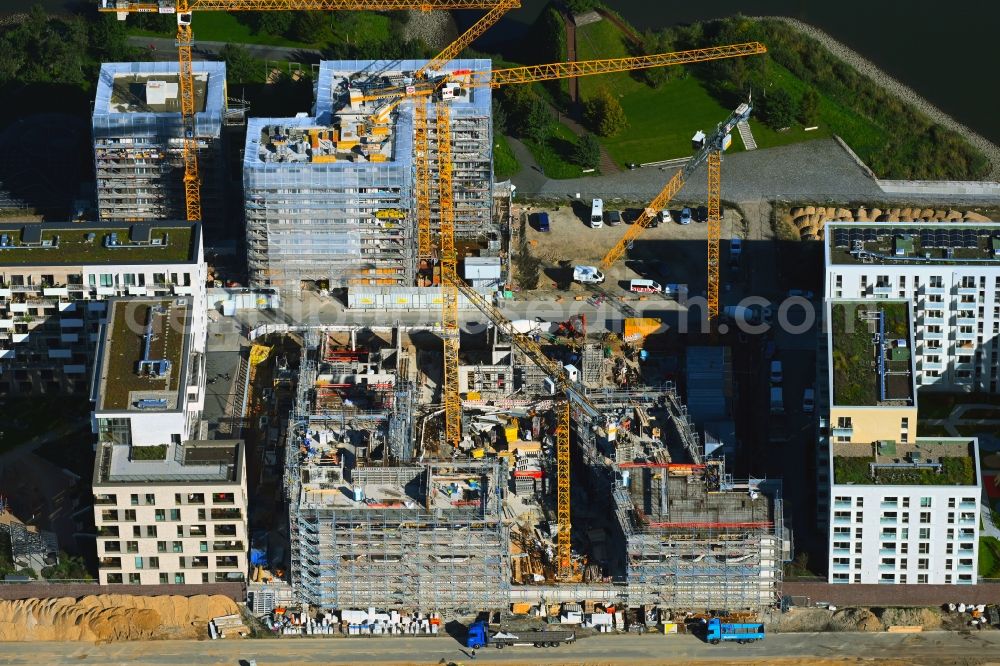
x: 185, y: 39
x: 709, y: 150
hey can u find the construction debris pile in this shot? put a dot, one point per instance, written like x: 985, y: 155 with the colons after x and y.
x: 352, y: 623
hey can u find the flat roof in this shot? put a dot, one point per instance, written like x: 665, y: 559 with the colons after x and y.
x: 925, y: 462
x: 914, y: 243
x: 84, y: 243
x: 153, y: 93
x: 143, y: 355
x: 208, y: 461
x: 871, y: 353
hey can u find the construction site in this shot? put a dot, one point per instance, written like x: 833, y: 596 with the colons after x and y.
x: 439, y: 469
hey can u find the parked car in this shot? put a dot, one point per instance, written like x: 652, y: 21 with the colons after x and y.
x: 542, y: 221
x: 701, y: 214
x: 808, y: 401
x: 803, y: 293
x: 597, y: 214
x: 776, y: 374
x: 614, y: 218
x: 685, y: 216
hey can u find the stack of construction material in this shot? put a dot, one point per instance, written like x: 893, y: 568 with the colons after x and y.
x: 393, y: 623
x: 227, y: 625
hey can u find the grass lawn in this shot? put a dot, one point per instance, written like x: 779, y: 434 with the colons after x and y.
x: 504, y: 163
x: 552, y: 154
x: 224, y: 27
x: 989, y: 557
x: 662, y: 120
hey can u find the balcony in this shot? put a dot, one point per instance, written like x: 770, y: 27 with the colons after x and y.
x: 197, y: 531
x: 228, y: 546
x: 888, y: 521
x: 933, y: 335
x: 966, y: 321
x: 891, y: 552
x: 929, y: 290
x: 841, y: 567
x: 964, y: 567
x: 841, y: 520
x: 964, y: 335
x: 967, y: 291
x: 227, y: 562
x: 111, y: 563
x: 105, y: 499
x: 967, y: 505
x: 887, y: 567
x: 226, y: 514
x: 842, y: 504
x: 841, y: 551
x: 933, y: 365
x: 108, y: 531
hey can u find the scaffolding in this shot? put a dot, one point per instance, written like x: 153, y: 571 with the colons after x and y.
x: 695, y: 540
x: 139, y: 141
x: 332, y: 198
x: 369, y: 526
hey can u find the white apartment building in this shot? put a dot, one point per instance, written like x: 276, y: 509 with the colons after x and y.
x: 55, y: 278
x: 902, y: 509
x: 170, y: 508
x: 951, y: 274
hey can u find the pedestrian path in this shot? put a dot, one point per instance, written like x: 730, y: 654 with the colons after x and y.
x: 747, y: 135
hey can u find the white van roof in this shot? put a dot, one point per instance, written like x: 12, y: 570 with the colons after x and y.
x: 644, y: 282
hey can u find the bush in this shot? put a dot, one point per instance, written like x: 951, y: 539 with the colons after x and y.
x: 155, y: 452
x: 587, y: 152
x: 809, y: 107
x: 241, y: 67
x: 527, y: 114
x: 580, y: 6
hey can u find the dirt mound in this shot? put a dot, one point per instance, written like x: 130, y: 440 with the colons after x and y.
x: 925, y: 617
x: 855, y: 619
x: 110, y: 617
x: 810, y: 221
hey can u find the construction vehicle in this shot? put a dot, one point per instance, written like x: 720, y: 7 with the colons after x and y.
x: 718, y: 630
x: 480, y: 636
x: 587, y: 275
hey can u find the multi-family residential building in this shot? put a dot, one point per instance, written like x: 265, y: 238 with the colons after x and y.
x: 170, y: 507
x: 138, y: 140
x: 902, y: 508
x: 330, y: 199
x: 950, y: 272
x: 55, y: 278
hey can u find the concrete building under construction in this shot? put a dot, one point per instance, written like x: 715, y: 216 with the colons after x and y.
x: 330, y: 198
x: 371, y: 524
x: 138, y: 140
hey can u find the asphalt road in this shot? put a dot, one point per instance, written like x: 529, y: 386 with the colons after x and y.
x: 166, y: 49
x: 927, y: 648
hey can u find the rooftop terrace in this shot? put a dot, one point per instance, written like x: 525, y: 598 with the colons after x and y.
x: 210, y: 461
x: 871, y: 355
x: 914, y: 243
x: 926, y: 462
x: 60, y: 243
x: 143, y: 355
x: 345, y: 141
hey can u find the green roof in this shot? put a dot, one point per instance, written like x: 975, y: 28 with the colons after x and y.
x: 71, y: 244
x: 854, y: 353
x: 123, y: 349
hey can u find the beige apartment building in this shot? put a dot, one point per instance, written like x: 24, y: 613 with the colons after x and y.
x: 169, y: 508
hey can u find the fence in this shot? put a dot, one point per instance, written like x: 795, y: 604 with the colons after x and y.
x: 10, y: 590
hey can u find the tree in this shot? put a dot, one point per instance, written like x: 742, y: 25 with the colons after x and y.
x: 778, y: 108
x: 110, y: 40
x: 527, y: 114
x: 537, y: 119
x: 809, y: 107
x: 241, y: 67
x: 604, y: 114
x: 587, y: 152
x: 271, y: 23
x: 310, y: 27
x: 499, y: 118
x: 580, y: 6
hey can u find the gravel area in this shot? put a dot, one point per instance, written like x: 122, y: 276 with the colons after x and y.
x: 436, y: 29
x: 900, y: 90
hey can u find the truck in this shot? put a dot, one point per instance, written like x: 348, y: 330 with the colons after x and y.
x: 738, y: 314
x: 597, y: 214
x: 587, y: 275
x: 777, y: 400
x: 480, y: 636
x: 741, y: 632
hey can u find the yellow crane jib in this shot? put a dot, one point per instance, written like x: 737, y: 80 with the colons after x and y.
x: 172, y: 6
x: 706, y: 146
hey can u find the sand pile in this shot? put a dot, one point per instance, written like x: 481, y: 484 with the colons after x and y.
x: 110, y: 617
x: 855, y: 619
x: 909, y: 617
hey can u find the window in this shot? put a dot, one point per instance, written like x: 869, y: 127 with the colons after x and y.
x: 902, y: 579
x: 844, y: 422
x: 154, y: 562
x: 130, y: 514
x: 150, y: 531
x: 925, y: 517
x: 857, y: 578
x: 178, y: 546
x: 904, y: 533
x: 906, y: 502
x: 134, y: 579
x: 161, y: 546
x: 859, y: 502
x: 925, y: 533
x: 150, y: 499
x: 175, y: 514
x: 133, y: 498
x: 858, y: 532
x: 131, y: 546
x: 949, y: 549
x: 136, y: 531
x: 948, y: 565
x: 138, y: 562
x: 890, y: 500
x: 951, y: 502
x: 923, y: 563
x: 925, y: 502
x: 161, y: 515
x: 179, y: 578
x: 922, y: 578
x: 923, y: 548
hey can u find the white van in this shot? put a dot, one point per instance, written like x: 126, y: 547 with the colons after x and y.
x: 644, y: 287
x: 597, y: 214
